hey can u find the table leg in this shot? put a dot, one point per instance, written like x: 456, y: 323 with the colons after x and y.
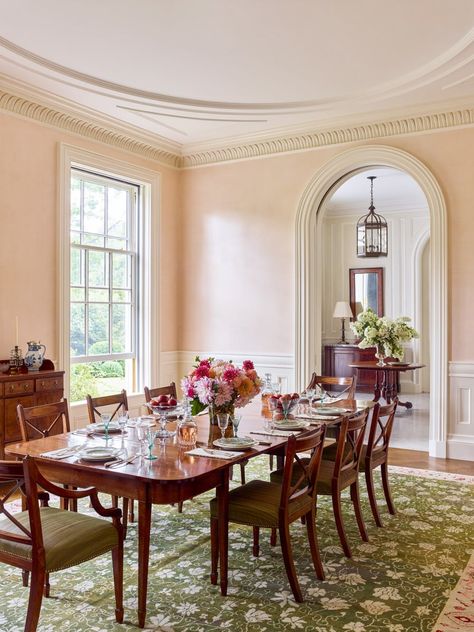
x: 222, y: 493
x: 144, y: 527
x: 378, y: 385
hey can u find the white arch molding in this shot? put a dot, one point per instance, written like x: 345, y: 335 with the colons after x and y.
x: 309, y: 271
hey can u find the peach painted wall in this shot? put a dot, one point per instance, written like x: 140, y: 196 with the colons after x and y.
x: 29, y: 232
x: 237, y: 267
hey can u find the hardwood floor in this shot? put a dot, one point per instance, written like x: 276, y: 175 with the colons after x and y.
x: 422, y: 460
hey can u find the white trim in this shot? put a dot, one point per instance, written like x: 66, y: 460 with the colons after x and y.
x: 150, y: 183
x: 309, y: 268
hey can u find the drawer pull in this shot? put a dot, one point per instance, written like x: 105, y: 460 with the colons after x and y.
x: 12, y: 389
x: 42, y: 383
x: 25, y: 387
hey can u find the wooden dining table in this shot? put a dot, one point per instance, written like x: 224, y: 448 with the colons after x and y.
x: 173, y: 477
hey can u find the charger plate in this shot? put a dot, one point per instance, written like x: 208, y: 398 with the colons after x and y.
x: 99, y: 427
x: 98, y: 454
x: 296, y: 424
x: 235, y: 443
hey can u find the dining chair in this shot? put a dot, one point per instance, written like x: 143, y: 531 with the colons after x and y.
x: 115, y: 404
x: 263, y: 504
x: 375, y: 454
x: 341, y: 472
x: 152, y: 393
x: 42, y: 540
x: 45, y: 420
x: 327, y: 384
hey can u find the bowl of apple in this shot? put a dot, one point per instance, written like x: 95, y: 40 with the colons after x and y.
x: 162, y: 404
x: 282, y: 405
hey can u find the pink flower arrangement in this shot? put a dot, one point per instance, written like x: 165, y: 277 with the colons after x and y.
x: 220, y: 384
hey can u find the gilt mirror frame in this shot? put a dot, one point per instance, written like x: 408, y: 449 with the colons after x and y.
x: 355, y: 301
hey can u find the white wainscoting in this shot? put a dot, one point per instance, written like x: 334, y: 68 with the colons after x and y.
x: 461, y: 411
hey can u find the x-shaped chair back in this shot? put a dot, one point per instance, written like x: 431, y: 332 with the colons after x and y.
x: 12, y: 481
x: 151, y: 393
x: 325, y: 382
x: 291, y: 490
x: 381, y: 429
x: 44, y: 420
x: 350, y: 442
x: 95, y: 403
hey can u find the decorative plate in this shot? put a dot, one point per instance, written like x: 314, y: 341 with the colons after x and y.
x: 235, y: 443
x: 329, y: 410
x: 99, y: 454
x: 291, y: 424
x: 99, y: 427
x: 398, y: 363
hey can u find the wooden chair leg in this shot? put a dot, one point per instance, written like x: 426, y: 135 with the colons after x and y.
x: 355, y: 497
x: 369, y: 479
x: 117, y: 563
x: 337, y: 509
x: 47, y: 586
x: 242, y: 473
x: 386, y: 489
x: 273, y: 537
x: 35, y: 599
x: 256, y: 541
x: 131, y: 513
x: 214, y: 549
x: 25, y: 576
x: 125, y: 503
x: 313, y: 544
x: 289, y: 564
x: 180, y: 506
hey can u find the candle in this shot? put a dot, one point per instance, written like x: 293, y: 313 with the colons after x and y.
x: 16, y: 331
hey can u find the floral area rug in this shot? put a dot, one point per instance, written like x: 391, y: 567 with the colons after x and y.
x: 400, y: 581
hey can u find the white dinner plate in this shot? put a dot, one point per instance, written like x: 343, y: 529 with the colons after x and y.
x: 235, y: 443
x: 329, y: 410
x: 291, y: 424
x: 99, y: 427
x: 100, y: 454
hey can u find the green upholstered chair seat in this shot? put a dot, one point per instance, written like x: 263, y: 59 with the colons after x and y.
x: 257, y: 504
x: 329, y: 454
x: 324, y: 478
x: 69, y: 538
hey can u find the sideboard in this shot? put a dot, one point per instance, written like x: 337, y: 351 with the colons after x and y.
x: 29, y: 389
x: 336, y: 360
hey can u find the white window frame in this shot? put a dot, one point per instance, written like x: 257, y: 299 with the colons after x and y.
x: 148, y: 340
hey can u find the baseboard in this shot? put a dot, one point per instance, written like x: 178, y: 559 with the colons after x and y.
x: 461, y: 411
x: 460, y: 447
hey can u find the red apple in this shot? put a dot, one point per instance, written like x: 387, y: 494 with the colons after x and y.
x: 172, y: 401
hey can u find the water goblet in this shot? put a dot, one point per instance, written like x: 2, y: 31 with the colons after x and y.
x: 285, y: 405
x: 105, y: 420
x: 150, y: 435
x: 222, y: 422
x: 236, y: 419
x: 122, y: 422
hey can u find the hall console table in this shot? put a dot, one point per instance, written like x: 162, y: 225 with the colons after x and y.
x: 386, y: 378
x: 29, y: 389
x: 338, y: 361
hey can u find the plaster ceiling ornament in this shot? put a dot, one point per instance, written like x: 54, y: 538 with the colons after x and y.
x: 193, y: 75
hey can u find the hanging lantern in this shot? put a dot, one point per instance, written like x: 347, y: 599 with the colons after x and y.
x: 372, y: 231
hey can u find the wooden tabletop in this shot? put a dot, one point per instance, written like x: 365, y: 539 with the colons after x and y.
x: 372, y: 365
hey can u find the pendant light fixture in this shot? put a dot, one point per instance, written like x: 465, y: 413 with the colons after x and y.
x: 372, y: 231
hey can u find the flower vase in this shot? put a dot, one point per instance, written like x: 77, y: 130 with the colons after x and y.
x: 380, y: 355
x: 213, y: 412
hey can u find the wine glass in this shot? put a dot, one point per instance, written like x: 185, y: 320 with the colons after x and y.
x: 105, y: 420
x: 150, y: 436
x: 285, y: 405
x: 236, y: 419
x: 222, y: 422
x: 122, y: 422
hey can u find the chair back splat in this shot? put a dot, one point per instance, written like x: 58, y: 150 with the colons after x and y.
x: 350, y: 442
x: 327, y: 382
x: 43, y: 421
x: 152, y: 393
x: 94, y: 403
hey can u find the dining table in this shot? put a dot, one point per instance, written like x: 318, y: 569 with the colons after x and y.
x: 174, y: 476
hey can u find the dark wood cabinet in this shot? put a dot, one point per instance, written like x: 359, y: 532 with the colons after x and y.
x: 28, y: 389
x: 336, y: 360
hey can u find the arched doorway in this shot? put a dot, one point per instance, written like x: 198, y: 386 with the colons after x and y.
x: 309, y: 270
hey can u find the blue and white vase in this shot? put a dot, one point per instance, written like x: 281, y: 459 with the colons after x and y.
x: 34, y: 356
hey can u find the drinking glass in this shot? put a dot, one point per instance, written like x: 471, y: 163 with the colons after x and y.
x: 285, y: 404
x: 222, y: 422
x: 122, y: 422
x: 236, y: 419
x: 105, y: 420
x: 150, y: 435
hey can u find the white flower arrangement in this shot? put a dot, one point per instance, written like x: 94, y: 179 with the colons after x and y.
x: 386, y: 335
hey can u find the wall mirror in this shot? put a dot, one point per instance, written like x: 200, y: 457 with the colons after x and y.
x: 366, y: 290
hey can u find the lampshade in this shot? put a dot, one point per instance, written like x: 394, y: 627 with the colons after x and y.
x: 342, y: 310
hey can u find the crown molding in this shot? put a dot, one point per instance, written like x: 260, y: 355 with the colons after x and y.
x: 88, y: 124
x: 304, y: 141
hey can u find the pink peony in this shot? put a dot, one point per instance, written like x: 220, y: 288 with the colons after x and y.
x: 248, y: 365
x: 230, y: 374
x: 201, y: 371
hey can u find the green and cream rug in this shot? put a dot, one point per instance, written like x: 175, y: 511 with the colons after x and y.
x: 400, y: 581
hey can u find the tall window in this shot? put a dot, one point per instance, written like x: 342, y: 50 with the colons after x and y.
x: 103, y: 283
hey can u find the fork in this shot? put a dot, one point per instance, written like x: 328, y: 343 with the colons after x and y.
x: 121, y: 462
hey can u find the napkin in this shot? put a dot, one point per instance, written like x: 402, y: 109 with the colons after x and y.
x: 214, y: 454
x: 63, y: 453
x: 324, y: 417
x: 277, y: 433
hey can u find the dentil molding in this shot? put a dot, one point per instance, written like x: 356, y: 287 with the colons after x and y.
x: 101, y: 130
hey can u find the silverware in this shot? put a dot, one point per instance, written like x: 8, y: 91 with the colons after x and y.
x: 121, y: 462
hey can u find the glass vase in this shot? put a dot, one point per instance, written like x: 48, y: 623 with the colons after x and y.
x: 380, y: 355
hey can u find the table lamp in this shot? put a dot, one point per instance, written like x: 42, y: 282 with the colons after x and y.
x: 343, y: 310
